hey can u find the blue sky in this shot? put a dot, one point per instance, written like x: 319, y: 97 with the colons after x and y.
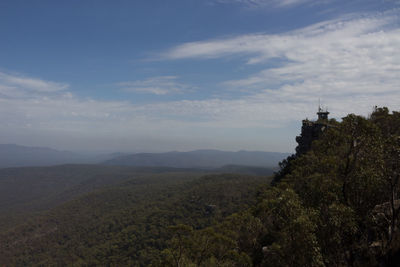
x: 191, y: 74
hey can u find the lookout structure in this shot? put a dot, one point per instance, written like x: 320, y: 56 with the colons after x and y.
x: 311, y: 130
x: 322, y: 114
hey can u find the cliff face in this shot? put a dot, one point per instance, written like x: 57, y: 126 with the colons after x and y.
x: 310, y: 131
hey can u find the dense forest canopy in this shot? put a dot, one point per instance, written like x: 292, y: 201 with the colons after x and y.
x: 125, y: 224
x: 335, y: 205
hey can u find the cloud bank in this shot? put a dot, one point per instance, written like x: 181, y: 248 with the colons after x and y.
x: 273, y: 3
x: 160, y: 85
x: 351, y: 63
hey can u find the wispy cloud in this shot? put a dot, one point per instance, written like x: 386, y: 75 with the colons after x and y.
x: 62, y: 119
x: 160, y: 85
x: 273, y: 3
x: 262, y: 47
x: 350, y: 62
x: 17, y: 83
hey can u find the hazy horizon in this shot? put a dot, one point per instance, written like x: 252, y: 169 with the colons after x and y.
x: 101, y: 151
x: 152, y: 76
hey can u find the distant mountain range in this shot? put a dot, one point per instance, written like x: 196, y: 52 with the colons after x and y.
x: 17, y: 156
x: 200, y: 159
x: 12, y: 155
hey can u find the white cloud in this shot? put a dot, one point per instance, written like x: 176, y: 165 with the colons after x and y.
x: 63, y: 120
x: 160, y: 85
x: 352, y: 63
x: 274, y: 3
x: 262, y: 47
x: 20, y: 83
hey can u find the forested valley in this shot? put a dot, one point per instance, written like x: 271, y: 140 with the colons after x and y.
x: 336, y: 204
x: 125, y: 222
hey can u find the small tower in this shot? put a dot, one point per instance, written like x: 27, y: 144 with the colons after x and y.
x: 311, y: 130
x: 322, y: 115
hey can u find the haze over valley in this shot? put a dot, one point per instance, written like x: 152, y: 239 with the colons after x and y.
x: 19, y: 156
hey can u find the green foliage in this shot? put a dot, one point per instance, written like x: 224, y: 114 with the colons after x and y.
x: 30, y: 190
x: 129, y: 224
x: 336, y: 205
x: 290, y: 238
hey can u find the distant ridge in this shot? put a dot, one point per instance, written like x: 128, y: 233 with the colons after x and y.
x: 12, y: 155
x: 200, y: 159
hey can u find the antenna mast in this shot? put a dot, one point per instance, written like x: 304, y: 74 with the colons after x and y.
x: 319, y: 104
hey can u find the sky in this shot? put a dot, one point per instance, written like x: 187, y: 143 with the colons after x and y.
x: 154, y: 76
